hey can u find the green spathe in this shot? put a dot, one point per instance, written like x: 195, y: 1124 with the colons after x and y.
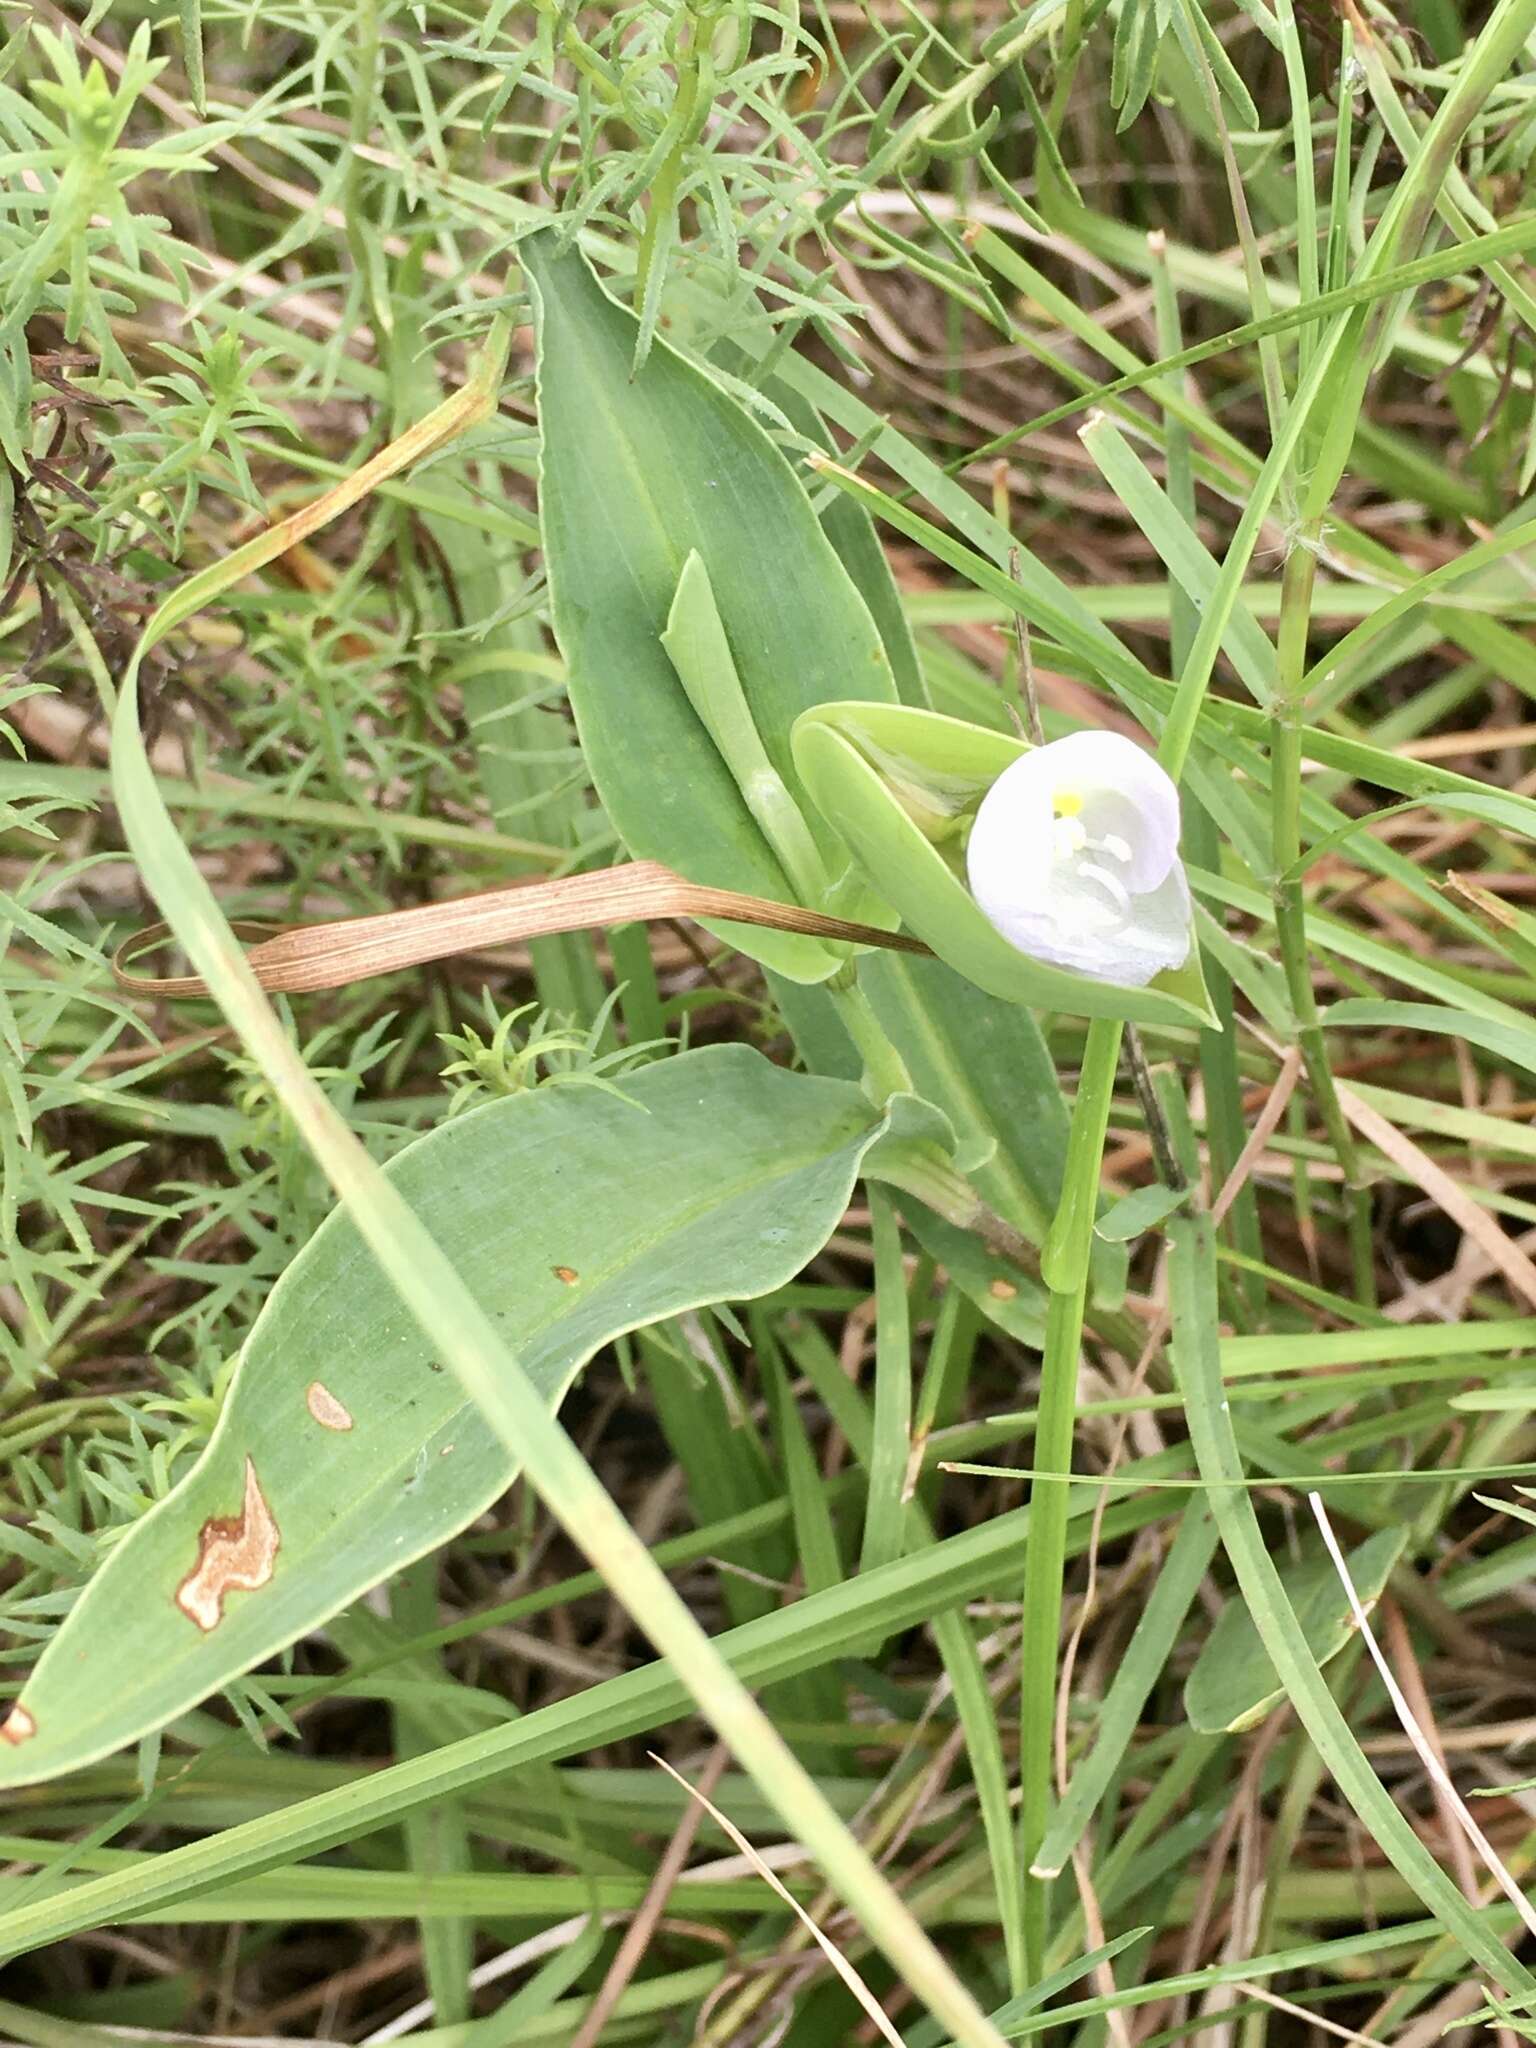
x: 901, y: 785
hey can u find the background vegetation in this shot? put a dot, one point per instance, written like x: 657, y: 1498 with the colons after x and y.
x: 242, y: 248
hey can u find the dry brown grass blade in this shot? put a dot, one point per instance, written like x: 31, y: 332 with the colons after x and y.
x: 866, y: 1998
x: 311, y: 957
x: 1268, y: 1123
x: 638, y: 1935
x: 1501, y: 1252
x: 1483, y: 900
x: 1438, y: 1776
x: 1449, y: 746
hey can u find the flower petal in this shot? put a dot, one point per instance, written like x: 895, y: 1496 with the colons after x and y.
x: 1012, y: 841
x: 1161, y: 933
x: 1125, y: 794
x: 1069, y: 926
x: 1110, y: 901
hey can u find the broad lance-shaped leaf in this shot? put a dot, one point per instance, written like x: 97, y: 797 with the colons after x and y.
x: 851, y: 530
x: 695, y: 309
x: 638, y: 473
x: 345, y: 1450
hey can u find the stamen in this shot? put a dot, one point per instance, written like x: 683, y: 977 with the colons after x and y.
x: 1069, y: 838
x: 1066, y: 803
x: 1112, y: 886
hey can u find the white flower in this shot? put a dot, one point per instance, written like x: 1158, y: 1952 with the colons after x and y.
x: 1074, y: 857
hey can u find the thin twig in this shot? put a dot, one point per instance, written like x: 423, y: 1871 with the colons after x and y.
x: 1423, y: 1748
x: 637, y: 1935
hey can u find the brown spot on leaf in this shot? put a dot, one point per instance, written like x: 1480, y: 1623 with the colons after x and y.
x: 325, y: 1408
x: 17, y: 1727
x: 235, y: 1553
x: 1002, y: 1290
x: 568, y: 1274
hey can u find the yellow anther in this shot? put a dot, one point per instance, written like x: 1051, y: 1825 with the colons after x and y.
x: 1066, y: 803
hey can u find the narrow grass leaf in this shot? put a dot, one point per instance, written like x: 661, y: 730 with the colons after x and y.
x: 1145, y: 1659
x: 1197, y: 1358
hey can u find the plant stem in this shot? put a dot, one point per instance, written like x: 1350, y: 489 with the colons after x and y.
x: 1224, y: 1121
x: 1065, y: 1268
x: 1065, y: 1258
x: 885, y: 1072
x: 1287, y: 719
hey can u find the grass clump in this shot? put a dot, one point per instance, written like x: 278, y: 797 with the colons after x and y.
x: 1170, y: 367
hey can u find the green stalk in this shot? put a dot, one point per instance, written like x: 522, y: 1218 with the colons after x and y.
x: 885, y: 1072
x: 1225, y: 1128
x: 1286, y: 720
x: 1043, y: 1569
x: 1064, y: 1267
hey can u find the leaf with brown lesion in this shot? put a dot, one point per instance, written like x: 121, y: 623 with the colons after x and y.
x: 326, y: 1409
x: 235, y: 1553
x: 17, y: 1727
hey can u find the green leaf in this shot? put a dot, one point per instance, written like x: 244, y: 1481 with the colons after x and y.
x: 698, y: 649
x: 852, y: 533
x: 1508, y: 1507
x: 901, y: 785
x: 807, y: 1632
x: 345, y: 1450
x: 985, y: 1064
x: 192, y: 54
x: 1135, y: 62
x: 1514, y: 1041
x: 638, y: 473
x: 989, y: 1069
x: 1004, y: 1295
x: 1142, y: 1209
x: 1057, y: 1981
x: 1233, y: 1684
x: 1492, y: 807
x: 1138, y: 1669
x: 1197, y: 1358
x: 1195, y: 31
